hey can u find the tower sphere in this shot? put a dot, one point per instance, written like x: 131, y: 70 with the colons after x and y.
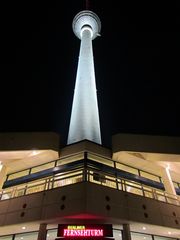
x: 86, y: 20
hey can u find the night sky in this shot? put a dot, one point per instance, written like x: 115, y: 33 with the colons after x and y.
x: 136, y: 66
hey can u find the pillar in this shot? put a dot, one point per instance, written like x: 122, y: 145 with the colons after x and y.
x: 42, y: 231
x: 167, y: 181
x: 3, y: 171
x: 168, y: 185
x: 126, y: 234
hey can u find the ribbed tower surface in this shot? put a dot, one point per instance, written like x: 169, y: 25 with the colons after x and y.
x: 86, y: 19
x: 84, y: 122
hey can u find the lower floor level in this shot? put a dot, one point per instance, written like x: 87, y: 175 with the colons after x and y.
x: 130, y: 231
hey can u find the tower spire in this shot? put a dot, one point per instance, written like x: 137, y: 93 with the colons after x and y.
x: 87, y: 5
x: 84, y: 122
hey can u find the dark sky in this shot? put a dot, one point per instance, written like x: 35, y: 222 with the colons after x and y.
x: 136, y: 65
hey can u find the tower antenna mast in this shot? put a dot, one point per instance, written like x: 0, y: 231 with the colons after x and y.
x: 87, y: 5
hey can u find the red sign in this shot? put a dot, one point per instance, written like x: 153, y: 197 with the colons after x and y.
x: 87, y: 230
x: 83, y: 233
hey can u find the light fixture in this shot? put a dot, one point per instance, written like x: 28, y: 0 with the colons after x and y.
x: 169, y: 233
x: 168, y: 166
x: 144, y: 228
x: 23, y: 227
x: 34, y: 152
x: 1, y: 166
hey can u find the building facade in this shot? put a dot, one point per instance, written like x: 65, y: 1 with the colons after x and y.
x: 84, y: 190
x: 126, y: 186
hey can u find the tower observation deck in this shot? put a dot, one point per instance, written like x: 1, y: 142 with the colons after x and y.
x: 84, y: 122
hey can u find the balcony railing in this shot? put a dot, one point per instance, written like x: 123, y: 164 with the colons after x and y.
x: 91, y: 169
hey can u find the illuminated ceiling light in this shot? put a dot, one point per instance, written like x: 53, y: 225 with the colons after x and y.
x: 144, y: 228
x: 21, y: 237
x: 34, y: 152
x: 169, y: 233
x: 23, y: 227
x: 47, y: 235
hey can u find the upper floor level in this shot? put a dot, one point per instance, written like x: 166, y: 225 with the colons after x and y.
x: 33, y: 193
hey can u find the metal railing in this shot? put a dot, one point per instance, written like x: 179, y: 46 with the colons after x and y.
x: 88, y: 170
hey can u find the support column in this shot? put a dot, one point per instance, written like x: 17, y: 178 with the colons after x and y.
x: 3, y: 171
x: 42, y: 231
x: 167, y: 181
x: 126, y: 234
x: 168, y: 185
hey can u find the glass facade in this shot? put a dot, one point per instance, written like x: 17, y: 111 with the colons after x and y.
x: 163, y: 238
x: 92, y: 168
x: 42, y: 167
x: 10, y: 237
x: 141, y: 236
x: 150, y: 176
x: 117, y: 234
x: 70, y: 159
x: 18, y: 174
x: 127, y: 168
x: 52, y: 234
x: 26, y: 236
x: 100, y: 159
x: 80, y: 156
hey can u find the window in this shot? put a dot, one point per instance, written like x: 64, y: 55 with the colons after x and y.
x: 133, y: 187
x: 127, y: 168
x: 26, y: 236
x: 100, y: 159
x: 51, y: 234
x: 117, y: 235
x: 6, y: 237
x: 99, y: 177
x: 70, y: 159
x: 162, y: 238
x: 42, y: 167
x: 18, y: 174
x: 140, y: 236
x: 150, y: 176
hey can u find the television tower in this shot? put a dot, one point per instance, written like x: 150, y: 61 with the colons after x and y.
x: 84, y: 122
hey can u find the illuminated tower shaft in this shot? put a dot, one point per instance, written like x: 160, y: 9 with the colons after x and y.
x: 84, y: 122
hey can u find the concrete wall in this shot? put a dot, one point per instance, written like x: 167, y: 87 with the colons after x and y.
x: 75, y: 203
x: 29, y: 140
x: 85, y: 145
x: 145, y: 143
